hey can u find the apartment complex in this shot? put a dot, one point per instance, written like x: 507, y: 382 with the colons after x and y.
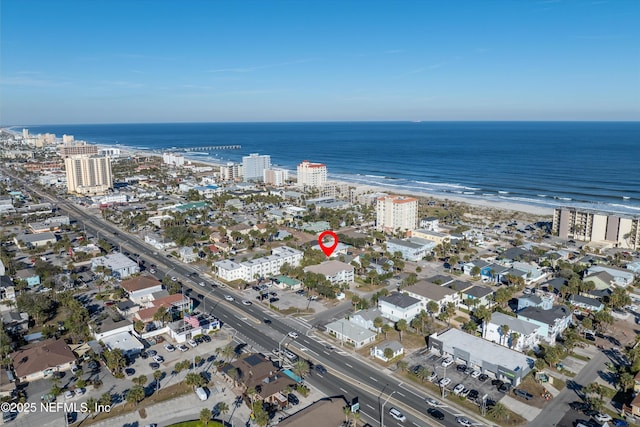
x: 261, y: 267
x: 396, y: 212
x: 586, y: 225
x: 312, y: 174
x: 89, y: 175
x: 173, y: 159
x: 277, y: 177
x: 254, y: 166
x: 77, y: 149
x: 231, y: 172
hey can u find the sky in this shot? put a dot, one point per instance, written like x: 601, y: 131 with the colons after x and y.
x: 117, y: 61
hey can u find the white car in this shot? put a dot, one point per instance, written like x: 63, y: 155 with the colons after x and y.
x: 228, y: 297
x: 396, y: 414
x: 475, y: 374
x: 458, y: 389
x: 169, y: 348
x: 463, y: 421
x: 447, y: 362
x: 183, y: 348
x: 432, y: 402
x: 158, y: 358
x: 69, y: 394
x: 602, y: 418
x: 80, y: 391
x: 174, y: 279
x: 445, y: 382
x: 202, y: 284
x: 246, y: 302
x: 432, y: 377
x: 293, y: 334
x: 192, y: 343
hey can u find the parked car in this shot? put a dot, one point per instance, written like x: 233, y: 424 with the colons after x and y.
x: 192, y: 343
x: 169, y: 348
x: 447, y: 362
x: 475, y: 374
x: 461, y: 368
x: 438, y: 415
x: 202, y: 393
x: 483, y: 377
x: 602, y: 418
x: 397, y: 415
x: 183, y: 348
x: 158, y: 358
x: 69, y: 394
x: 152, y: 352
x: 293, y: 399
x: 473, y: 394
x: 432, y: 377
x: 274, y: 299
x: 458, y: 389
x: 445, y: 382
x: 154, y: 365
x: 129, y: 372
x: 579, y: 406
x: 523, y: 394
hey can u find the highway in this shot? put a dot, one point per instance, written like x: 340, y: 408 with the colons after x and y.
x: 347, y: 375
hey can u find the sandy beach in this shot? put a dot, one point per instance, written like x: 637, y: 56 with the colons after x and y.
x: 478, y: 202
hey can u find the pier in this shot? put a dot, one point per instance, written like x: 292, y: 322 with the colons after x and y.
x: 211, y: 148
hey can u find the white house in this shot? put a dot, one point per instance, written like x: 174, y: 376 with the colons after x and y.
x: 552, y: 322
x: 366, y: 318
x: 159, y: 242
x: 527, y: 332
x: 141, y: 288
x: 398, y: 306
x: 426, y: 291
x: 348, y: 332
x: 395, y: 346
x: 412, y: 249
x: 621, y: 277
x: 187, y: 254
x: 120, y: 265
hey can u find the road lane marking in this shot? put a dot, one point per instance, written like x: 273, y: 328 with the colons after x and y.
x: 344, y: 390
x: 375, y: 380
x: 349, y: 365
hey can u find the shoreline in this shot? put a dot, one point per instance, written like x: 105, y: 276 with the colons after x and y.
x: 505, y: 205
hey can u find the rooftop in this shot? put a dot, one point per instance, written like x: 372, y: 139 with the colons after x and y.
x: 41, y: 356
x: 329, y: 268
x: 520, y: 326
x: 430, y: 290
x: 139, y: 283
x: 400, y: 300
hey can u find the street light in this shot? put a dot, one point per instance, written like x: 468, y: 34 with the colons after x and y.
x: 382, y: 408
x: 280, y: 351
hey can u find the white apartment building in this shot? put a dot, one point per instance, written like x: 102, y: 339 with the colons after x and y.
x: 276, y: 177
x: 88, y: 174
x: 396, y: 212
x: 261, y: 267
x: 336, y: 272
x: 174, y: 159
x: 231, y: 172
x: 254, y: 166
x: 587, y: 225
x: 311, y: 174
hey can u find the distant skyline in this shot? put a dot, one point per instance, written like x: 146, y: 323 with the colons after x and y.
x: 74, y: 62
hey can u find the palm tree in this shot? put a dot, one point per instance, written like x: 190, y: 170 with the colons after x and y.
x: 346, y: 411
x: 386, y: 329
x: 402, y: 365
x: 135, y: 395
x: 378, y: 322
x: 205, y: 416
x: 157, y: 375
x: 301, y: 368
x: 499, y: 412
x: 401, y: 325
x: 504, y: 332
x: 514, y: 339
x: 141, y: 380
x: 223, y: 408
x: 228, y: 352
x: 422, y: 373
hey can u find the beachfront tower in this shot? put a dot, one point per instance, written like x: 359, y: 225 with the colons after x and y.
x: 90, y: 175
x: 396, y: 213
x: 254, y: 166
x: 312, y: 174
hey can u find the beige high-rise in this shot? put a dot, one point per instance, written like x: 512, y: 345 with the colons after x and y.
x: 616, y: 230
x: 89, y: 175
x: 396, y: 213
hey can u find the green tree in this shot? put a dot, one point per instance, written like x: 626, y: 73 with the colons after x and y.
x: 386, y: 329
x: 205, y: 416
x: 470, y: 327
x: 625, y: 381
x: 135, y: 395
x: 388, y: 353
x: 261, y: 417
x: 195, y: 380
x: 115, y: 360
x: 161, y: 315
x: 401, y: 326
x: 422, y: 373
x: 105, y: 399
x: 223, y: 408
x: 138, y: 326
x: 433, y: 308
x: 157, y: 376
x: 301, y: 368
x: 141, y: 380
x: 378, y: 322
x: 499, y: 412
x: 504, y: 333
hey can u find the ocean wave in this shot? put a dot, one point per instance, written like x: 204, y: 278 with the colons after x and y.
x: 634, y: 208
x: 503, y: 192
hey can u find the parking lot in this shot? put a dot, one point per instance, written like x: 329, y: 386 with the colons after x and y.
x: 283, y: 299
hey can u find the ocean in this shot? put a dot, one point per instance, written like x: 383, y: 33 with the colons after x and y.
x: 582, y: 164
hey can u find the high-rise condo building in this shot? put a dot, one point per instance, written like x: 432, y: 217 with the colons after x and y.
x: 396, y: 212
x: 254, y: 166
x: 277, y: 177
x: 609, y: 230
x: 311, y: 174
x: 79, y: 148
x: 231, y: 172
x: 88, y: 174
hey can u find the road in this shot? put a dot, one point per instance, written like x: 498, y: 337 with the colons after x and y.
x: 348, y: 375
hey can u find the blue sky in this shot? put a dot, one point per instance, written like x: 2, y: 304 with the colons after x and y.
x: 65, y: 62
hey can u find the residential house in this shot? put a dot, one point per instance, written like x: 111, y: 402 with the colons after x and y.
x: 30, y: 276
x: 430, y: 223
x: 378, y: 350
x: 621, y: 276
x: 172, y: 303
x: 326, y: 412
x: 366, y: 318
x: 15, y: 321
x: 42, y: 359
x: 527, y: 332
x: 468, y: 267
x: 7, y: 383
x: 432, y: 236
x: 125, y: 341
x: 477, y: 296
x: 158, y: 241
x: 347, y: 332
x: 119, y: 264
x: 586, y: 303
x: 534, y: 274
x: 335, y: 271
x: 412, y: 249
x: 396, y: 306
x: 601, y: 279
x: 539, y: 300
x: 187, y: 254
x: 7, y: 289
x: 141, y: 288
x: 552, y: 321
x: 426, y: 291
x: 110, y: 326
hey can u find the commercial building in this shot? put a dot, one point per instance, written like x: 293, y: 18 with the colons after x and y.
x: 613, y: 230
x: 488, y: 357
x: 42, y: 359
x: 119, y: 264
x: 88, y: 174
x: 396, y: 213
x: 345, y: 331
x: 35, y: 240
x: 261, y: 267
x: 311, y: 174
x: 254, y: 165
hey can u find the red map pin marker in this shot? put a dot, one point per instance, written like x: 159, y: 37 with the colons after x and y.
x: 328, y: 250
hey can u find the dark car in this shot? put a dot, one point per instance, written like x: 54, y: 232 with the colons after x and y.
x: 206, y: 338
x: 293, y: 399
x: 579, y: 406
x: 590, y: 337
x: 590, y: 412
x: 274, y: 299
x: 199, y: 340
x: 523, y: 394
x: 266, y: 321
x: 129, y: 371
x: 93, y: 365
x: 497, y: 383
x: 154, y: 365
x: 415, y: 369
x: 483, y: 377
x: 144, y: 355
x: 473, y: 394
x: 438, y: 415
x: 461, y: 368
x: 321, y: 369
x: 504, y: 388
